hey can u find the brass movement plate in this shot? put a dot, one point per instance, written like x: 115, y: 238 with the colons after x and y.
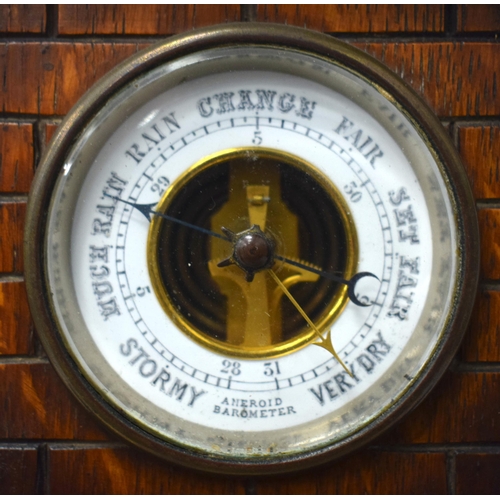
x: 256, y: 318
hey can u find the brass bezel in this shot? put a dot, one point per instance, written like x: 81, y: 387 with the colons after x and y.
x: 339, y: 300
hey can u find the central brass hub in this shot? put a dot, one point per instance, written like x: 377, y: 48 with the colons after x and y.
x: 275, y: 209
x: 253, y: 251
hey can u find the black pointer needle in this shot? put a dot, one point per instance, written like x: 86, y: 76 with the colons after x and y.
x: 351, y: 284
x: 147, y: 211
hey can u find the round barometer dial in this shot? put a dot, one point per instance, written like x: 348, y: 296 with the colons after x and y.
x: 250, y: 249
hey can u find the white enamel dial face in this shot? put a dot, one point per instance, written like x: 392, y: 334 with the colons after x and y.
x: 140, y: 357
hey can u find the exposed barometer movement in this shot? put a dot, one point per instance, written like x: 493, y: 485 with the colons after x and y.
x: 250, y: 249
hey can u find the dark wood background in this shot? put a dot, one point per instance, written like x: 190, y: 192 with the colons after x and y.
x: 50, y: 55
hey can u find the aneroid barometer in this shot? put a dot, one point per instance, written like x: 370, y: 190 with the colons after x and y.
x: 250, y: 249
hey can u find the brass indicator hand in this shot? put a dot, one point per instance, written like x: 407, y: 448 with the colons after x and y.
x: 147, y: 211
x: 351, y: 284
x: 325, y: 343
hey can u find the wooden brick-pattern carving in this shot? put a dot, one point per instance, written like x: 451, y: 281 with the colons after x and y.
x: 482, y: 341
x: 16, y: 157
x: 367, y: 472
x: 22, y: 18
x: 479, y: 147
x: 49, y: 443
x: 37, y: 405
x: 357, y: 18
x: 469, y: 421
x: 54, y: 75
x: 142, y: 19
x: 18, y: 469
x: 455, y: 79
x: 11, y: 237
x: 477, y: 474
x: 489, y: 227
x: 479, y: 18
x: 119, y: 471
x: 16, y: 331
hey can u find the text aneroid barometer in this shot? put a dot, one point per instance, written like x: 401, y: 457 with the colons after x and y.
x: 250, y: 249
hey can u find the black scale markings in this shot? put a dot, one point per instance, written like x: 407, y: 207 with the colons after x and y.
x: 254, y: 122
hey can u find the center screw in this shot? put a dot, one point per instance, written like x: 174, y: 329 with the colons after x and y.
x: 253, y: 251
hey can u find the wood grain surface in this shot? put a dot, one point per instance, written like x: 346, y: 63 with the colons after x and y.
x: 22, y: 18
x: 479, y: 146
x: 357, y: 18
x: 478, y: 18
x: 141, y: 19
x: 50, y: 55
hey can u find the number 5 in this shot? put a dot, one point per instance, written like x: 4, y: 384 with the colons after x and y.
x: 257, y: 139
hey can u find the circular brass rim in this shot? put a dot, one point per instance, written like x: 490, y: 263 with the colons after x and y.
x: 339, y: 300
x: 285, y: 38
